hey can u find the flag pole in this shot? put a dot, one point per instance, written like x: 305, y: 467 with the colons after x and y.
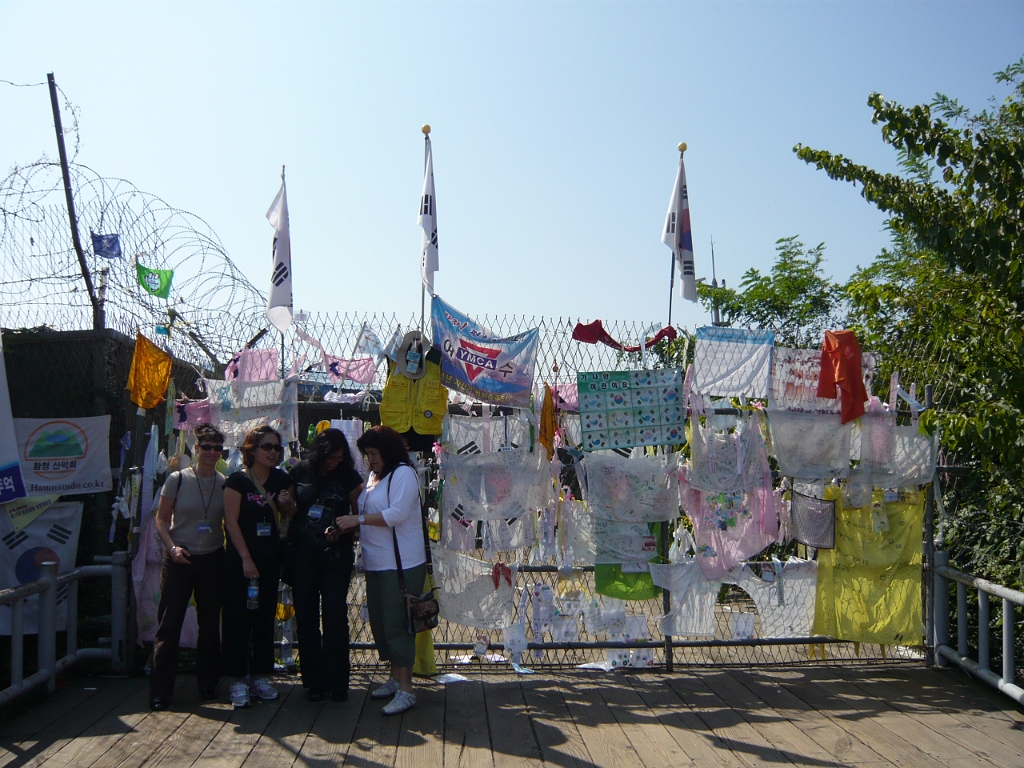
x: 672, y: 261
x: 423, y: 288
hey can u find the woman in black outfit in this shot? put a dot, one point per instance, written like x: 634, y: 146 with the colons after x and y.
x: 320, y: 563
x: 253, y: 500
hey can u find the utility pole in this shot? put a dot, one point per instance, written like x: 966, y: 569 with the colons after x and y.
x: 98, y: 315
x: 715, y: 318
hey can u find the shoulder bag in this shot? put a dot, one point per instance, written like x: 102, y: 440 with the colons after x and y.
x: 423, y: 610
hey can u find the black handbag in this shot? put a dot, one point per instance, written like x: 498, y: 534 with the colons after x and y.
x: 424, y: 611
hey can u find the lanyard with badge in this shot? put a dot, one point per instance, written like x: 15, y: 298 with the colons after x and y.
x: 205, y: 527
x: 264, y: 528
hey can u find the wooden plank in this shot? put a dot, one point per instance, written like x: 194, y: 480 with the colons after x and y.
x: 597, y: 726
x: 832, y: 737
x: 748, y: 745
x: 375, y: 738
x: 467, y: 740
x: 932, y: 743
x: 281, y: 741
x: 188, y: 742
x: 697, y: 741
x: 557, y: 737
x: 932, y: 707
x: 233, y: 743
x: 41, y: 713
x: 898, y: 751
x: 512, y: 741
x: 421, y: 742
x: 651, y: 740
x: 330, y: 737
x: 771, y: 724
x: 38, y: 738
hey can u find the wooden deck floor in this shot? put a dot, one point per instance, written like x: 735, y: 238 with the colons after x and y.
x: 898, y: 715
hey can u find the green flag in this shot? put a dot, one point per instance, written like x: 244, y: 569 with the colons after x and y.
x: 156, y: 281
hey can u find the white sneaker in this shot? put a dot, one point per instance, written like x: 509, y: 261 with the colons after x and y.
x: 262, y: 688
x: 403, y: 700
x: 388, y: 689
x: 239, y: 694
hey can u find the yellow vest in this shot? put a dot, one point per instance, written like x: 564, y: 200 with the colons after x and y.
x: 418, y: 404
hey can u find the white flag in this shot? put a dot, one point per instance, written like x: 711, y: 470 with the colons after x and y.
x: 368, y: 343
x: 279, y: 308
x: 428, y: 220
x: 677, y: 236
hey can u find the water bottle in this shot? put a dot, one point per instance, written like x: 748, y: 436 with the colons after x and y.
x: 252, y: 601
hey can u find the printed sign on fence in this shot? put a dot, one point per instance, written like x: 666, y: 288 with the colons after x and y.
x: 12, y: 486
x: 478, y: 364
x: 623, y: 409
x: 64, y: 456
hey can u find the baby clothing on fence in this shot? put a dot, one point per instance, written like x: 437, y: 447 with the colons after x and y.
x: 728, y: 461
x: 467, y: 591
x: 841, y: 373
x: 729, y: 528
x: 632, y: 490
x: 786, y: 602
x: 693, y: 599
x: 810, y: 445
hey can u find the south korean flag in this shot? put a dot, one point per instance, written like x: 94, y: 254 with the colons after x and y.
x: 53, y: 536
x: 428, y: 220
x: 279, y: 306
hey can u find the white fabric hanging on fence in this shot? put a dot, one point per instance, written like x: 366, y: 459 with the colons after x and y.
x: 353, y: 430
x: 505, y: 535
x: 644, y: 489
x: 693, y: 599
x: 495, y: 486
x: 732, y: 362
x: 810, y: 445
x: 794, y: 381
x: 467, y: 593
x: 892, y: 456
x: 486, y: 434
x: 728, y: 461
x: 596, y: 541
x: 785, y: 604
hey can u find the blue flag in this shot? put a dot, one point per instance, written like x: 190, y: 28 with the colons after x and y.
x: 476, y: 363
x: 107, y: 246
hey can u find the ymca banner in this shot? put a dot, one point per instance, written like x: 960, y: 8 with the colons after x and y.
x: 64, y: 457
x: 239, y: 406
x: 480, y: 365
x: 52, y: 536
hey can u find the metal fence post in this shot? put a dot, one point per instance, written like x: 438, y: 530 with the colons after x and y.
x: 119, y: 611
x: 961, y: 618
x: 941, y: 612
x: 984, y: 618
x: 18, y: 642
x: 72, y: 627
x: 47, y: 623
x: 929, y: 599
x: 1008, y: 661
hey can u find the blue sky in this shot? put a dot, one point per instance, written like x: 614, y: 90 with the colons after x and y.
x: 555, y: 128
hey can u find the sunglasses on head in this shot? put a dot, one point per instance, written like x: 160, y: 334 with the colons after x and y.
x: 271, y: 447
x: 210, y: 447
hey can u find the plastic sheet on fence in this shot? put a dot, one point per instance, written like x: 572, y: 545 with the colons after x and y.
x: 892, y: 456
x: 785, y: 601
x: 794, y: 381
x: 812, y: 521
x: 729, y: 528
x: 869, y: 586
x: 484, y: 434
x: 693, y: 599
x: 728, y: 460
x: 810, y: 445
x: 494, y: 486
x: 239, y: 406
x: 644, y: 489
x: 595, y: 540
x: 732, y: 362
x: 467, y: 591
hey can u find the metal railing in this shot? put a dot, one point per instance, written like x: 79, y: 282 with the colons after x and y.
x: 960, y: 655
x: 48, y: 665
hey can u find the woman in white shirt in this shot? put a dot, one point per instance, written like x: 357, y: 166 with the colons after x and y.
x: 390, y: 518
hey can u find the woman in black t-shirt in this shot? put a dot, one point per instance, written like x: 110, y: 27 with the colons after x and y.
x: 320, y: 563
x: 254, y: 500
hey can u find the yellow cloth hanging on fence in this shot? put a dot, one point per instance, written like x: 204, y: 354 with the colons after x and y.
x: 425, y: 665
x: 869, y: 586
x: 548, y: 423
x: 150, y: 373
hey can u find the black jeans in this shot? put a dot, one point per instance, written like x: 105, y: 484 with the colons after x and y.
x: 178, y: 582
x: 320, y: 582
x: 247, y: 635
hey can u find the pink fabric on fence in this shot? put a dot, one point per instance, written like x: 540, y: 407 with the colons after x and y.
x: 189, y: 414
x: 252, y: 365
x: 361, y: 370
x: 567, y: 396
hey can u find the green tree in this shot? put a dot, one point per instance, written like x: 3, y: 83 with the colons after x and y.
x: 795, y: 300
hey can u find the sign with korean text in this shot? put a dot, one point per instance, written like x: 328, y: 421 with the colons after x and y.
x: 624, y: 409
x: 64, y: 456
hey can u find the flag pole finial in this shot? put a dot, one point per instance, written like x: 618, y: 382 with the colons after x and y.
x: 282, y: 173
x: 426, y: 129
x: 682, y: 147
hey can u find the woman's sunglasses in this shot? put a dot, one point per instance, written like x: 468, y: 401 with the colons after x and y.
x: 210, y: 447
x: 268, y: 447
